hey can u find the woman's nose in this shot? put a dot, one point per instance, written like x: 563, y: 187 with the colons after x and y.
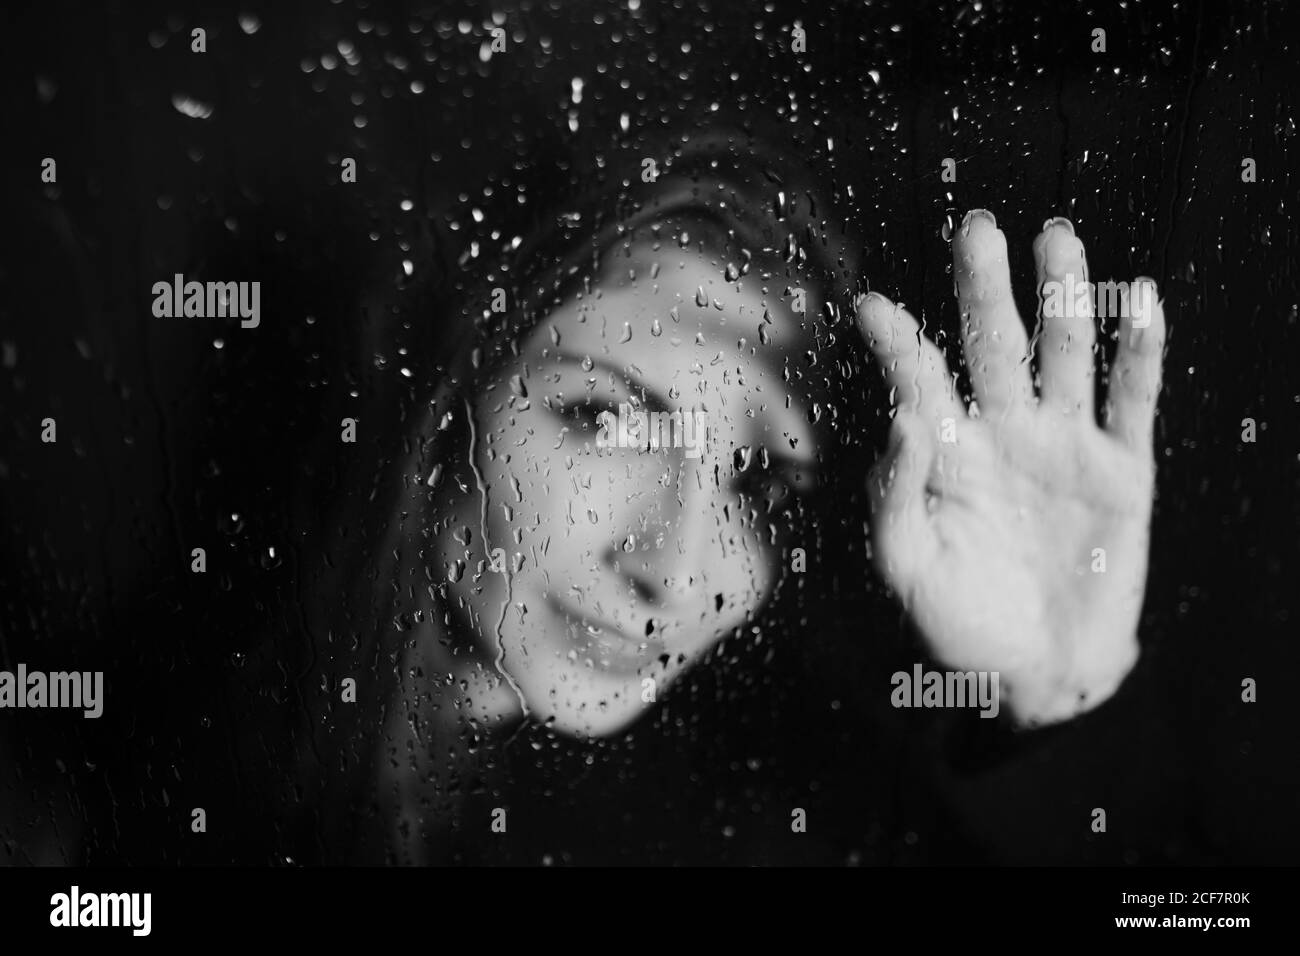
x: 631, y: 567
x: 670, y: 557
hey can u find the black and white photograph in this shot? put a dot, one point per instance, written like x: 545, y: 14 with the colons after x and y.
x: 853, y: 436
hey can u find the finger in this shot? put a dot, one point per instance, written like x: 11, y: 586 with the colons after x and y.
x: 914, y: 367
x: 1067, y: 328
x: 1135, y: 377
x: 902, y: 533
x: 997, y: 349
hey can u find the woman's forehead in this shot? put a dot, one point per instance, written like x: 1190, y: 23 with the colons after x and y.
x: 684, y: 304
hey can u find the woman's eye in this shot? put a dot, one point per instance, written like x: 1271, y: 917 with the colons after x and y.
x: 584, y: 414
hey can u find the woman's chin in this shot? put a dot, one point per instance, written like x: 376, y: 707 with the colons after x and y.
x: 581, y: 701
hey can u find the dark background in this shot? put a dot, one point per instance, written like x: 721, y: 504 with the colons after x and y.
x: 167, y: 442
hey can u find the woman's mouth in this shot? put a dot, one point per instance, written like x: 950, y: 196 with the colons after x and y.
x: 610, y: 648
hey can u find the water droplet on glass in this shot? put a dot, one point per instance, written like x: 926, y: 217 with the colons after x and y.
x: 189, y: 106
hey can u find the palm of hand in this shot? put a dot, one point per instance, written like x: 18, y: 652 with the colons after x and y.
x: 1017, y: 535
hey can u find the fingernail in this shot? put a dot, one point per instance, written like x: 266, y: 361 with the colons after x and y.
x: 982, y: 214
x: 1059, y: 221
x: 871, y: 297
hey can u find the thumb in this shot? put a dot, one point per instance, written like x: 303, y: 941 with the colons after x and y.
x: 903, y: 537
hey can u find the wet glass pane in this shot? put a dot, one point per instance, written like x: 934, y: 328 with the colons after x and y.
x: 458, y: 435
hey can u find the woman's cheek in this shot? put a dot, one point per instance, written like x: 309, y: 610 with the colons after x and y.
x: 749, y: 576
x: 541, y: 522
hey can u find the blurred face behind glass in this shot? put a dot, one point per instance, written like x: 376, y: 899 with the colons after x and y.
x: 635, y: 561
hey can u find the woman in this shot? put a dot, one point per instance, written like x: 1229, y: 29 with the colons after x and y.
x: 536, y: 574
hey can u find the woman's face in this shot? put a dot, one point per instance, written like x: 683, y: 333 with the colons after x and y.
x: 626, y: 564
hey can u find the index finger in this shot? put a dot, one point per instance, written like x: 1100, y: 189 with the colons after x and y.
x: 913, y: 365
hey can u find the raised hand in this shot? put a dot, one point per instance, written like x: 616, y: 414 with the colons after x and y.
x: 1016, y: 531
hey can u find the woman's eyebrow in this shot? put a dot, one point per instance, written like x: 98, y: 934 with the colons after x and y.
x: 655, y: 399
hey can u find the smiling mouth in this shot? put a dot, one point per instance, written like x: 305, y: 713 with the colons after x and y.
x: 609, y: 647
